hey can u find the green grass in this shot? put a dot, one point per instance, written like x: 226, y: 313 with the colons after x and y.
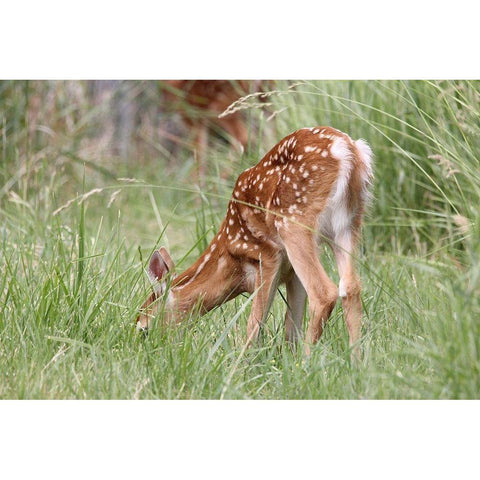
x: 72, y: 258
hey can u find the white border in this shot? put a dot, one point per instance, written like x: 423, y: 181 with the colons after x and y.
x: 239, y: 439
x: 251, y: 39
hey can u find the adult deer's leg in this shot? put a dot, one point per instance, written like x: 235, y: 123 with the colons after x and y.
x: 236, y: 128
x: 349, y: 289
x: 322, y: 292
x: 296, y: 296
x: 201, y: 140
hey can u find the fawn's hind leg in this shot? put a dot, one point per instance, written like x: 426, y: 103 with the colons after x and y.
x: 349, y: 290
x: 321, y: 291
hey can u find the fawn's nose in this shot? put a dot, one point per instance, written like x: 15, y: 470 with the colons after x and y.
x: 141, y: 324
x: 142, y: 330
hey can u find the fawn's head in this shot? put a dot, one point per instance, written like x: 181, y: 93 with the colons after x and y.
x: 160, y: 266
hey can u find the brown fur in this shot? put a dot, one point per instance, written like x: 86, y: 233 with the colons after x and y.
x: 200, y: 102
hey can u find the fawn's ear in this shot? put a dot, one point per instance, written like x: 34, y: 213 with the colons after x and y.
x: 167, y: 259
x: 157, y: 269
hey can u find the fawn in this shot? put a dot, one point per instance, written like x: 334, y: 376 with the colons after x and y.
x: 313, y: 185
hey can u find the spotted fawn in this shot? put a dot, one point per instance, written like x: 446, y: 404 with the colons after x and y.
x: 312, y: 186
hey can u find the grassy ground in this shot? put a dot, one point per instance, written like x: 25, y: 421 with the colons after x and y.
x: 77, y: 226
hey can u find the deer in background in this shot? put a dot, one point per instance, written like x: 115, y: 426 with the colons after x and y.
x: 313, y: 185
x: 200, y: 102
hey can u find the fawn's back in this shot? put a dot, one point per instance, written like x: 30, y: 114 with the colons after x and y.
x: 316, y: 178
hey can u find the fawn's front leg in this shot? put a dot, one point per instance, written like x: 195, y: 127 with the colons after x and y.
x: 265, y: 286
x: 296, y: 296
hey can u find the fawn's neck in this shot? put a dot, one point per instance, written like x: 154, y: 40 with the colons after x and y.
x: 213, y: 279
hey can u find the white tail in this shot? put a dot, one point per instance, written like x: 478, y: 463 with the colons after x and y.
x: 313, y: 184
